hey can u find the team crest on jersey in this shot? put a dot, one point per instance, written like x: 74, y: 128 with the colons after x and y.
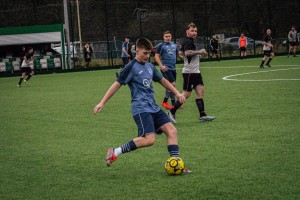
x: 146, y: 83
x: 149, y: 70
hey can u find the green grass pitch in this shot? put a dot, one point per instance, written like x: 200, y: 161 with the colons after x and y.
x: 52, y: 147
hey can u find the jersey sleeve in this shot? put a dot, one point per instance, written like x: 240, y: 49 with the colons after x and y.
x: 159, y: 48
x: 126, y: 75
x: 156, y: 75
x: 189, y: 46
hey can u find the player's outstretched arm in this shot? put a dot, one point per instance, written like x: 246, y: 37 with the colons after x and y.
x: 170, y: 87
x: 110, y: 92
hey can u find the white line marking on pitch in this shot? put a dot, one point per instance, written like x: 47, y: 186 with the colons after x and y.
x: 228, y: 78
x: 242, y: 66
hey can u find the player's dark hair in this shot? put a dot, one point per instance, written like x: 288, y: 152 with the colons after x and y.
x: 166, y: 32
x: 191, y: 25
x: 144, y: 43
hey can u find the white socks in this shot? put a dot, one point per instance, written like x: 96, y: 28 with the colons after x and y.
x: 117, y: 151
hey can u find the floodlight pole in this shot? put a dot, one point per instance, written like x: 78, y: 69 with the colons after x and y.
x: 174, y: 23
x: 67, y: 33
x: 79, y: 27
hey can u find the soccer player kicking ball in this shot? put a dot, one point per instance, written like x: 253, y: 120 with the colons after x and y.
x: 148, y: 116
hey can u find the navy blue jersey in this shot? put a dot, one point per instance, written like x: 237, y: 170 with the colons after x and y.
x: 168, y: 52
x: 139, y: 78
x: 125, y: 45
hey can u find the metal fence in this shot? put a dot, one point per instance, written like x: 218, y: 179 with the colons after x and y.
x: 227, y: 50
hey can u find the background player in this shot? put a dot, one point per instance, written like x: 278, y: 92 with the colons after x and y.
x: 165, y: 57
x: 125, y: 53
x: 267, y: 48
x: 192, y: 78
x: 292, y: 37
x: 25, y: 67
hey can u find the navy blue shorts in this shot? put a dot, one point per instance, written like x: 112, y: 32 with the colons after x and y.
x: 150, y: 122
x: 292, y: 44
x: 214, y: 51
x: 125, y: 60
x: 170, y: 75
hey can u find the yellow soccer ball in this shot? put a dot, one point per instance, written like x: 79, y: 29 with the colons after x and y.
x: 174, y: 165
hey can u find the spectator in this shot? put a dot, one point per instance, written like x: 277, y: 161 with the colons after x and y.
x: 87, y: 53
x: 243, y: 45
x: 292, y: 39
x: 214, y: 46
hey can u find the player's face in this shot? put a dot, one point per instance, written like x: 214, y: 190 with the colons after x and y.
x: 269, y: 32
x: 142, y: 55
x: 192, y: 32
x: 167, y: 37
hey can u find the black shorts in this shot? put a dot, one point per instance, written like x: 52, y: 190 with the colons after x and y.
x: 214, y: 51
x: 125, y: 60
x: 292, y: 44
x: 243, y: 49
x: 87, y: 59
x: 26, y: 69
x: 190, y: 81
x: 170, y: 75
x: 268, y: 53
